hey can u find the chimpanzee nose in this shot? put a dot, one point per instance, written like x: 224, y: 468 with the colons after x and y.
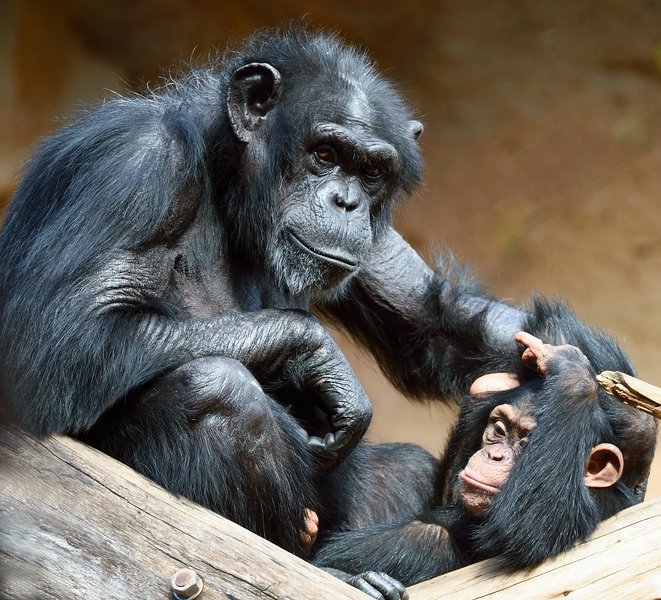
x: 495, y: 452
x: 345, y: 201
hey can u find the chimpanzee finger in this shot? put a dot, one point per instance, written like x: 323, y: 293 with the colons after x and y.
x: 324, y: 450
x: 399, y: 586
x: 341, y: 396
x: 363, y: 586
x: 390, y: 588
x: 348, y: 430
x: 535, y: 351
x: 333, y: 448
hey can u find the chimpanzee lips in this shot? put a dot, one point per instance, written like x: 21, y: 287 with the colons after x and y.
x: 476, y: 483
x: 343, y: 261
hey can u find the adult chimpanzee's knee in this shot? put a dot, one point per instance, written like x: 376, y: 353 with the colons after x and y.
x: 207, y: 430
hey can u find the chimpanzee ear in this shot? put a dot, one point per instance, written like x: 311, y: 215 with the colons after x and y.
x: 604, y: 467
x: 254, y: 91
x: 416, y: 128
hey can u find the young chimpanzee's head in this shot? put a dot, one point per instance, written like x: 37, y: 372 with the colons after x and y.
x: 554, y: 457
x: 325, y: 145
x: 509, y: 429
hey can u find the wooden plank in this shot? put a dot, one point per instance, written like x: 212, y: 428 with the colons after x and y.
x: 621, y: 561
x: 75, y: 523
x: 632, y: 391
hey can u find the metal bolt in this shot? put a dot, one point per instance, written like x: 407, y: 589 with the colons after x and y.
x: 186, y: 584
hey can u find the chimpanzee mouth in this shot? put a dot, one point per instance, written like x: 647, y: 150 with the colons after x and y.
x: 342, y: 261
x: 471, y: 481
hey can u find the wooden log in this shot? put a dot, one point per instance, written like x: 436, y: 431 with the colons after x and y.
x: 77, y: 524
x: 632, y: 391
x: 621, y: 561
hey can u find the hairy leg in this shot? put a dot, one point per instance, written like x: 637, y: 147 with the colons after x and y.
x: 377, y: 484
x: 380, y: 484
x: 207, y: 431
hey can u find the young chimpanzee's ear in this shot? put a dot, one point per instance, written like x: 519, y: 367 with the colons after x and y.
x: 604, y: 467
x: 254, y: 91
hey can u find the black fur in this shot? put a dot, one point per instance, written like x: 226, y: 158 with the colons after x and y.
x: 574, y: 414
x: 159, y: 260
x: 545, y: 507
x: 159, y: 257
x: 107, y: 186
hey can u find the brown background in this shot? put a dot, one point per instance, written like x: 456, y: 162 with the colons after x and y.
x: 542, y: 139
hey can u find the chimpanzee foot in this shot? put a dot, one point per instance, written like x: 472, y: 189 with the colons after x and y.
x: 309, y: 534
x: 379, y: 586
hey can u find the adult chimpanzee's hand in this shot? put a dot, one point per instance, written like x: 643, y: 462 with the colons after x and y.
x: 540, y: 356
x: 285, y: 348
x: 323, y: 371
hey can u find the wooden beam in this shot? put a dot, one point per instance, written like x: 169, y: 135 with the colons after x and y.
x: 621, y: 561
x: 76, y: 524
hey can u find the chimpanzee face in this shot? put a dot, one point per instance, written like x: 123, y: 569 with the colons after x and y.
x: 504, y: 438
x: 327, y: 210
x: 339, y: 181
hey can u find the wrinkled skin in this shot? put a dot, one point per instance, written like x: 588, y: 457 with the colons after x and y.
x: 487, y: 470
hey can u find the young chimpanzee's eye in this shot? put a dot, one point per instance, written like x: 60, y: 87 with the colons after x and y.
x: 326, y: 155
x: 500, y: 429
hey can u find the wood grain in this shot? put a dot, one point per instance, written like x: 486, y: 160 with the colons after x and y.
x: 632, y: 391
x: 621, y: 561
x: 75, y: 523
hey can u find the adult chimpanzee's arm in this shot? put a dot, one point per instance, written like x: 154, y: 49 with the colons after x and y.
x: 89, y: 258
x: 281, y: 348
x: 285, y: 348
x: 432, y: 336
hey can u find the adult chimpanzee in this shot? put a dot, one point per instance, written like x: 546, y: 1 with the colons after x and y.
x: 529, y: 470
x: 160, y: 255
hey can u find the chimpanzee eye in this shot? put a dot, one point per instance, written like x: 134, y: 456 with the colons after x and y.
x: 373, y: 171
x: 326, y: 155
x: 500, y: 429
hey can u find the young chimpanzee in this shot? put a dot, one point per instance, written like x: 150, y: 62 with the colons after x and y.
x: 529, y: 470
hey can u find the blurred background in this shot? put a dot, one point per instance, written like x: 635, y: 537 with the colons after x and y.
x: 542, y: 136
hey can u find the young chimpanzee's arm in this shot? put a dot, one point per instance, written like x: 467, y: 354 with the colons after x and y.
x: 410, y: 551
x: 431, y: 335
